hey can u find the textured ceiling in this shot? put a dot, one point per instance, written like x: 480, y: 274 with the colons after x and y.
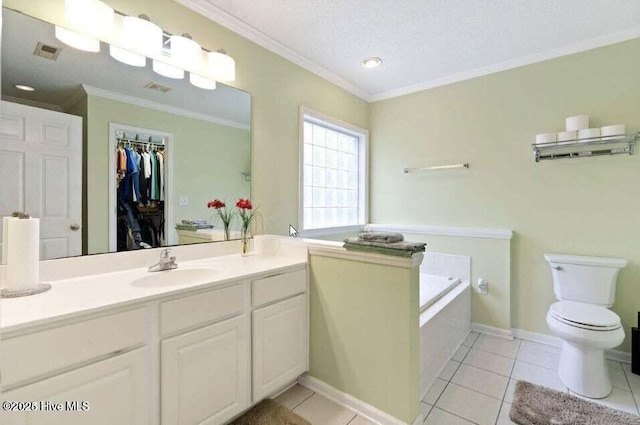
x: 423, y: 43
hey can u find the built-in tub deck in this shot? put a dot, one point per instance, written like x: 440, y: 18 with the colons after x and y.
x: 433, y: 288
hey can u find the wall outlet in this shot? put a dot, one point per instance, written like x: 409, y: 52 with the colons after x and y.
x: 483, y: 286
x: 183, y: 201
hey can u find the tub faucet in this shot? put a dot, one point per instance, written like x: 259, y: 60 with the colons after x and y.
x: 166, y: 262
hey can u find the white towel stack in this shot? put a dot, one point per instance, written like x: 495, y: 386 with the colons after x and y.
x: 577, y: 129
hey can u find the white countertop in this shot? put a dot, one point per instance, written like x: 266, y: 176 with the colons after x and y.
x: 89, y: 294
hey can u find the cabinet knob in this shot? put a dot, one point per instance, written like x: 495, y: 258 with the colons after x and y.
x: 75, y: 227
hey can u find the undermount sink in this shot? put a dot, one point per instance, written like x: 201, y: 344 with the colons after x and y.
x: 175, y: 277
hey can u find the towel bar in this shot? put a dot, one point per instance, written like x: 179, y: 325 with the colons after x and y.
x: 436, y: 167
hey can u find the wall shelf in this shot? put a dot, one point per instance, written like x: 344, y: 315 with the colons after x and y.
x: 581, y: 148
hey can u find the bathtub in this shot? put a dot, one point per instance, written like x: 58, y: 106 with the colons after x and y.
x: 445, y: 321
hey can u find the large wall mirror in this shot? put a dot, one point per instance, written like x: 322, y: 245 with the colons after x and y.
x: 113, y: 157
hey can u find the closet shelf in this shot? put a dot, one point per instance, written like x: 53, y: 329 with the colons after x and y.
x: 581, y: 148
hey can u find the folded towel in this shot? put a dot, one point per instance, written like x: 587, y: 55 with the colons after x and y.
x: 398, y: 246
x: 378, y: 250
x: 381, y: 237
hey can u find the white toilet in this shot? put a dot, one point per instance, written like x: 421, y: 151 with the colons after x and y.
x: 585, y: 288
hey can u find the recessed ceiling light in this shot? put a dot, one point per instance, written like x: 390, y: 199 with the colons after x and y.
x: 25, y: 88
x: 372, y: 62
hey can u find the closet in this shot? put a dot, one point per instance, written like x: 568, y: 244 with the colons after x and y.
x: 140, y: 164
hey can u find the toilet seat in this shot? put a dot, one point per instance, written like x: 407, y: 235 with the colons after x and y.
x: 585, y: 316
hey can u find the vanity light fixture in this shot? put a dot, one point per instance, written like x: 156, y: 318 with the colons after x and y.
x: 142, y: 36
x: 372, y: 62
x: 24, y: 87
x: 127, y: 57
x: 202, y: 82
x: 221, y: 66
x: 185, y: 53
x: 77, y: 41
x: 167, y: 70
x: 91, y: 17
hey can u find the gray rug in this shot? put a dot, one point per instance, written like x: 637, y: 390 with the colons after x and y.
x: 268, y: 412
x: 536, y: 405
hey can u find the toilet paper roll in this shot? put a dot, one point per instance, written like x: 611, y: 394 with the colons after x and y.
x: 5, y: 238
x: 563, y: 136
x: 613, y: 130
x: 546, y: 138
x: 23, y: 254
x: 589, y: 133
x: 579, y: 122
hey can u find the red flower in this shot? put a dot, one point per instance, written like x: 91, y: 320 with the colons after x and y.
x: 216, y: 203
x: 244, y: 204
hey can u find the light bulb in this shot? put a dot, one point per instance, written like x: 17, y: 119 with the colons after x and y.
x: 77, y: 41
x: 202, y: 82
x: 127, y: 57
x: 185, y: 53
x: 167, y: 70
x: 91, y: 17
x: 221, y: 66
x: 142, y: 36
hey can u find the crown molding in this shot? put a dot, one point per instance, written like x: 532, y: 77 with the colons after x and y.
x: 240, y: 27
x: 106, y: 94
x: 569, y: 49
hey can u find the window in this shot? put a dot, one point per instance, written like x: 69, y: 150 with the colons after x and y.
x: 333, y: 175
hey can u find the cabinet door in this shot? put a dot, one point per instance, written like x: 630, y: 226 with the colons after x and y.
x: 280, y: 345
x: 115, y: 390
x: 205, y: 374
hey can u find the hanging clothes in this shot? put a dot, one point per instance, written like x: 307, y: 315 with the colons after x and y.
x: 161, y: 173
x: 144, y: 191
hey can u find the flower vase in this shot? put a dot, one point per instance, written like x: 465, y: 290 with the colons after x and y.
x: 227, y: 236
x: 245, y: 242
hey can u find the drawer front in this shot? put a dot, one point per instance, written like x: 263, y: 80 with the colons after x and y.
x: 278, y: 287
x: 194, y: 310
x: 29, y: 356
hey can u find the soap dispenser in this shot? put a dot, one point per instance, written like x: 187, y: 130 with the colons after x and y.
x: 635, y: 348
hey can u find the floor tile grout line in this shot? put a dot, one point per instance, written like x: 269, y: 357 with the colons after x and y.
x: 475, y: 391
x: 491, y: 371
x: 299, y: 404
x: 457, y: 416
x: 624, y: 372
x: 352, y: 419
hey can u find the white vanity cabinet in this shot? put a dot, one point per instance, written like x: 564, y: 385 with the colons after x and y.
x: 279, y: 331
x: 111, y: 391
x: 195, y: 356
x: 206, y: 372
x: 102, y: 361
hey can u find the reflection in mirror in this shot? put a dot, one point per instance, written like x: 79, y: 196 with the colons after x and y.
x: 113, y: 157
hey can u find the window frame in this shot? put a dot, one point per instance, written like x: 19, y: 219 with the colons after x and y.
x: 308, y: 114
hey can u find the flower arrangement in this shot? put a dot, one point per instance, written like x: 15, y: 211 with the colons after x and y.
x: 225, y: 215
x: 247, y: 214
x: 245, y: 211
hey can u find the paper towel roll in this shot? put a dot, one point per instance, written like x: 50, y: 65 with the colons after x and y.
x: 613, y: 130
x: 23, y: 254
x: 5, y: 238
x: 563, y: 136
x: 589, y: 133
x: 546, y: 138
x: 579, y: 122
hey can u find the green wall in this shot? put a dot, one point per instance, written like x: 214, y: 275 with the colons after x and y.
x: 577, y: 206
x: 364, y: 332
x: 207, y: 161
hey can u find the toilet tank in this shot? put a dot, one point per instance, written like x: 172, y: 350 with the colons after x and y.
x: 589, y: 280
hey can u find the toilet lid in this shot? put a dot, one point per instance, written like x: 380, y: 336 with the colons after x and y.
x: 587, y: 316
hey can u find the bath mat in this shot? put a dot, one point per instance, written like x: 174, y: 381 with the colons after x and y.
x: 268, y: 412
x: 537, y: 405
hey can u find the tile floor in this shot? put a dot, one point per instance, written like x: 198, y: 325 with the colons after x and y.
x: 477, y: 385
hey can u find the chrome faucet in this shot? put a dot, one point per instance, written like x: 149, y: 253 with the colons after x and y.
x: 166, y: 262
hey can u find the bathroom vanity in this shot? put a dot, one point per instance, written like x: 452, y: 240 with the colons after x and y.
x: 196, y: 345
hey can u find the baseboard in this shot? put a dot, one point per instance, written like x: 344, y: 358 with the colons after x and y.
x: 492, y: 330
x: 355, y: 405
x: 615, y: 355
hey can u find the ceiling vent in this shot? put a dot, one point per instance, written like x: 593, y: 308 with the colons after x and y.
x: 47, y: 52
x: 158, y: 87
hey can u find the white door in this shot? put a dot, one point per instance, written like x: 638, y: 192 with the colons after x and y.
x: 279, y: 345
x: 115, y: 389
x: 41, y: 174
x: 206, y: 374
